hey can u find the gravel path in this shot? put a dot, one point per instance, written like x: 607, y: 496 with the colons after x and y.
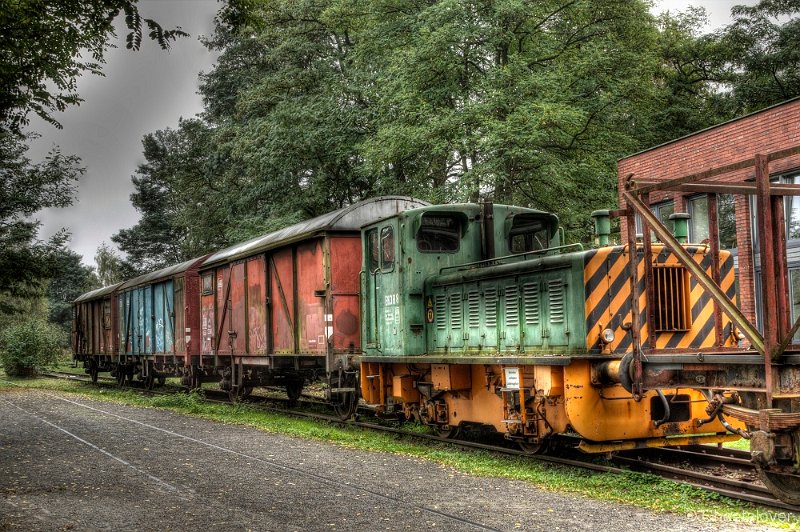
x: 77, y: 464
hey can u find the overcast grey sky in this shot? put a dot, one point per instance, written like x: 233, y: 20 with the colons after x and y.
x: 149, y: 90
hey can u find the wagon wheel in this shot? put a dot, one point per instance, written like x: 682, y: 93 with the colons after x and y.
x: 785, y: 487
x: 93, y: 370
x: 234, y: 394
x: 344, y: 404
x: 246, y: 391
x: 149, y: 381
x: 162, y: 379
x: 294, y: 389
x: 121, y: 375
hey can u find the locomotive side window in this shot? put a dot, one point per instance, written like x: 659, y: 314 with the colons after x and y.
x: 439, y: 233
x: 387, y: 249
x: 529, y: 233
x: 372, y: 250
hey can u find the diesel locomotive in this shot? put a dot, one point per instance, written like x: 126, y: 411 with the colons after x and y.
x: 468, y: 315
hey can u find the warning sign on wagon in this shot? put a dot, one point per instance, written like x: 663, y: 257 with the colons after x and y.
x: 512, y: 378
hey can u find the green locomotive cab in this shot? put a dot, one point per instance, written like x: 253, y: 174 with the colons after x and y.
x: 414, y: 300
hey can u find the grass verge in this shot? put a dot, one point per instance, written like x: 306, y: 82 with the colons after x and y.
x: 641, y: 490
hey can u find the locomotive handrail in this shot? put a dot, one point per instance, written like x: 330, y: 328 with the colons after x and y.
x: 520, y: 256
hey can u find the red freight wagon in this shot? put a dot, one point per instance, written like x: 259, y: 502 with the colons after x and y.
x: 94, y: 325
x: 283, y: 307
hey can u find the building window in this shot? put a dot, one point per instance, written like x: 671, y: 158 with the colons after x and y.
x: 792, y: 206
x: 662, y: 212
x: 726, y: 221
x: 698, y: 223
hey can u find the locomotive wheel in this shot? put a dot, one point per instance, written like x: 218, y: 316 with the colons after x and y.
x: 532, y: 448
x: 345, y: 404
x: 447, y: 431
x: 784, y: 486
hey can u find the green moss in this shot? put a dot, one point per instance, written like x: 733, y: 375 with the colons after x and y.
x: 642, y: 490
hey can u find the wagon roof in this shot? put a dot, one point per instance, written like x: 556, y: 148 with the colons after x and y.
x: 162, y: 273
x: 98, y: 292
x: 350, y: 218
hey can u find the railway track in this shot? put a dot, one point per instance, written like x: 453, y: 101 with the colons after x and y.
x: 727, y: 472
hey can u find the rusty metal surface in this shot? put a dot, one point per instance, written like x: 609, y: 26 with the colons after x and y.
x: 282, y: 304
x: 310, y: 296
x: 256, y: 306
x: 701, y: 276
x: 97, y: 293
x: 162, y: 273
x: 350, y: 218
x: 345, y: 263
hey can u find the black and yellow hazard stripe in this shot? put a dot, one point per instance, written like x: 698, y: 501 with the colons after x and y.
x: 608, y: 298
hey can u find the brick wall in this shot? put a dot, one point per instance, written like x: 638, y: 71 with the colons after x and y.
x: 773, y: 129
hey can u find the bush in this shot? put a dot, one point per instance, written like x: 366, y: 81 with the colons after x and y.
x: 27, y: 347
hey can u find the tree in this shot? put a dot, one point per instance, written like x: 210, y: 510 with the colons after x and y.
x: 42, y: 44
x: 111, y: 269
x: 25, y: 261
x: 763, y: 53
x: 29, y: 346
x: 692, y: 72
x: 178, y: 199
x: 71, y: 280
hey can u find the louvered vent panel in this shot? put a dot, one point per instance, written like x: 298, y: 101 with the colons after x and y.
x: 555, y: 290
x: 440, y: 308
x: 474, y: 309
x: 456, y: 313
x: 530, y: 298
x: 490, y: 299
x: 512, y: 306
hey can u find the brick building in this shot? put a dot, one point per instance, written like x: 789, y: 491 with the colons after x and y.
x: 765, y: 132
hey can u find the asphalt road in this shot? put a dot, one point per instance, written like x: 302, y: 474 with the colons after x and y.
x: 77, y: 464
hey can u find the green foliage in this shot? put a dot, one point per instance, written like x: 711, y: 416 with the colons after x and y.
x: 764, y: 53
x: 178, y: 199
x: 25, y: 261
x: 28, y: 346
x: 43, y: 45
x: 71, y: 279
x: 111, y: 269
x: 315, y: 105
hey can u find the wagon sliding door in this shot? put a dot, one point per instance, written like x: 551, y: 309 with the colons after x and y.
x: 282, y: 301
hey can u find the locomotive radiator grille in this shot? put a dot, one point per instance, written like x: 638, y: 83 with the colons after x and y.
x: 671, y: 305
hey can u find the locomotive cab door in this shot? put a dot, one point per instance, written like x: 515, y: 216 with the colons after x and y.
x: 382, y: 323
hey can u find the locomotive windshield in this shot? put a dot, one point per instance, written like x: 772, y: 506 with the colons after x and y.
x: 529, y: 232
x: 438, y: 233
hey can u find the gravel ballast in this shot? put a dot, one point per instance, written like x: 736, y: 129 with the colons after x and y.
x: 69, y: 463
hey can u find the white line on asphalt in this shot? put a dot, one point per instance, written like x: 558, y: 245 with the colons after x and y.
x: 155, y: 479
x: 320, y: 478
